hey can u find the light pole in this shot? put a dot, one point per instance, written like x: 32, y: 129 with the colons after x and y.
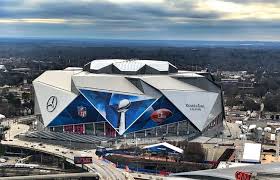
x: 9, y: 130
x: 277, y: 144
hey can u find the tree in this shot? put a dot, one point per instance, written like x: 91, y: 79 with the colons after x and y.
x: 25, y: 96
x: 251, y: 105
x: 272, y: 103
x: 259, y: 91
x: 231, y: 101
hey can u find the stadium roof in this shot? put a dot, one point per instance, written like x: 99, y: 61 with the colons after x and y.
x: 104, y: 82
x: 2, y: 67
x: 169, y: 83
x: 124, y: 66
x: 58, y: 78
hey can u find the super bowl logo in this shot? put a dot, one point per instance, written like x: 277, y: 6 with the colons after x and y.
x: 160, y: 115
x: 82, y: 111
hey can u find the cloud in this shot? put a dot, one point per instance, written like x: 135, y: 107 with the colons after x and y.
x: 243, y: 11
x: 253, y: 1
x: 100, y: 9
x: 141, y: 9
x: 181, y: 19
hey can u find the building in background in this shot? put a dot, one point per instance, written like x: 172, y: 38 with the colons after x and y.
x: 116, y: 97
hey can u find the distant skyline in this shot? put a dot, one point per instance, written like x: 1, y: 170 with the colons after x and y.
x: 220, y: 20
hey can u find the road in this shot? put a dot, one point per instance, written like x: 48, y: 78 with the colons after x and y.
x: 52, y: 176
x: 105, y: 170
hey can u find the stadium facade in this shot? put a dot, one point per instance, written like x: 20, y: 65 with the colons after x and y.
x: 116, y: 97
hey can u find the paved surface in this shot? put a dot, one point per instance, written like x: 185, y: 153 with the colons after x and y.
x: 147, y: 176
x: 52, y: 176
x: 104, y: 169
x: 231, y: 132
x: 261, y: 171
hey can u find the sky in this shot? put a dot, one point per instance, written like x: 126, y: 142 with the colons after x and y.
x: 253, y: 20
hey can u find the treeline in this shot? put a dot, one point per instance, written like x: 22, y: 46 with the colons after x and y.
x: 213, y: 58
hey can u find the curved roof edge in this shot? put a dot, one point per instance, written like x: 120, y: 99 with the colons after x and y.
x: 130, y: 67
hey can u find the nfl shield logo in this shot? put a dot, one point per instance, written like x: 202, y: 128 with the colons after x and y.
x: 82, y: 111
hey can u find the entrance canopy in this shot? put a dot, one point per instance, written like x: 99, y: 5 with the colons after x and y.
x: 163, y: 147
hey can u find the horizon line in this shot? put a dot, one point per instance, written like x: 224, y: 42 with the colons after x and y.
x: 125, y: 39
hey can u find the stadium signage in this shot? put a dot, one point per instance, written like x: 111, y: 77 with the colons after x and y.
x: 195, y: 107
x: 82, y: 160
x: 51, y: 103
x: 240, y: 175
x: 82, y: 111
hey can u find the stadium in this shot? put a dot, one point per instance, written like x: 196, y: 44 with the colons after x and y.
x: 129, y: 98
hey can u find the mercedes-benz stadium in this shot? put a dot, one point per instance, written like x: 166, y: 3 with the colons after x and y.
x: 128, y: 98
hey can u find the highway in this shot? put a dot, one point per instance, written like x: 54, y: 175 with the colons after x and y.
x: 105, y: 170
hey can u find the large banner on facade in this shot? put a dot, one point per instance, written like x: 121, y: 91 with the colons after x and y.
x: 120, y: 110
x: 77, y: 112
x: 162, y: 112
x: 125, y: 113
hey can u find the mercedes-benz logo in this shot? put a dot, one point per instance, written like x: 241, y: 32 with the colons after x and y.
x: 51, y: 104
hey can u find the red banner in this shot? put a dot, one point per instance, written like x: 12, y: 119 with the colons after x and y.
x: 68, y: 128
x: 82, y: 160
x: 239, y: 175
x: 79, y: 129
